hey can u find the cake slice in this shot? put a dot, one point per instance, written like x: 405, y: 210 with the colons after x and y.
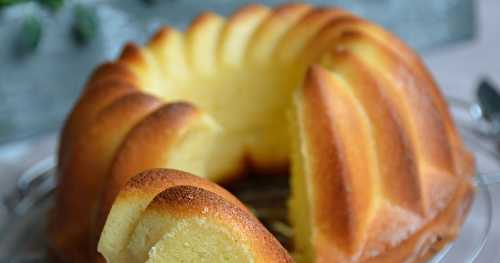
x: 171, y: 216
x: 190, y: 224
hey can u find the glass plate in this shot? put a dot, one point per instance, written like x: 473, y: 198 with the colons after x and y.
x: 23, y: 238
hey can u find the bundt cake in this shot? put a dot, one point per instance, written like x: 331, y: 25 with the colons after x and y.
x: 378, y: 170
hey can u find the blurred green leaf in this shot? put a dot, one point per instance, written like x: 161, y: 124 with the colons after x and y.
x: 4, y: 3
x: 85, y: 24
x: 30, y: 35
x: 152, y: 2
x: 149, y: 2
x: 53, y: 5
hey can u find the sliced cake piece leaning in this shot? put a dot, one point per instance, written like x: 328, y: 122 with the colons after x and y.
x: 177, y: 136
x: 133, y: 199
x: 191, y: 224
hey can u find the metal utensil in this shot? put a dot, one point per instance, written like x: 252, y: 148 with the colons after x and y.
x: 489, y: 101
x: 32, y: 186
x: 483, y: 114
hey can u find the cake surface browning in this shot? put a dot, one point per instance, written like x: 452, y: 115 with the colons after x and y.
x: 378, y: 170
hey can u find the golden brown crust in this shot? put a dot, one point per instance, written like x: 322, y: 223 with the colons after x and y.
x: 163, y: 33
x: 143, y: 65
x: 132, y: 56
x: 102, y: 94
x: 146, y: 146
x: 112, y: 71
x: 396, y: 216
x: 160, y: 179
x: 193, y: 202
x: 394, y: 150
x: 201, y: 21
x: 428, y: 240
x: 413, y: 60
x: 143, y: 188
x: 414, y: 106
x: 342, y: 200
x: 298, y: 37
x: 355, y: 25
x: 89, y: 162
x: 114, y: 86
x: 108, y: 82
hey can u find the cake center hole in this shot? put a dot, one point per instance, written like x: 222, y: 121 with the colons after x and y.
x: 266, y: 194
